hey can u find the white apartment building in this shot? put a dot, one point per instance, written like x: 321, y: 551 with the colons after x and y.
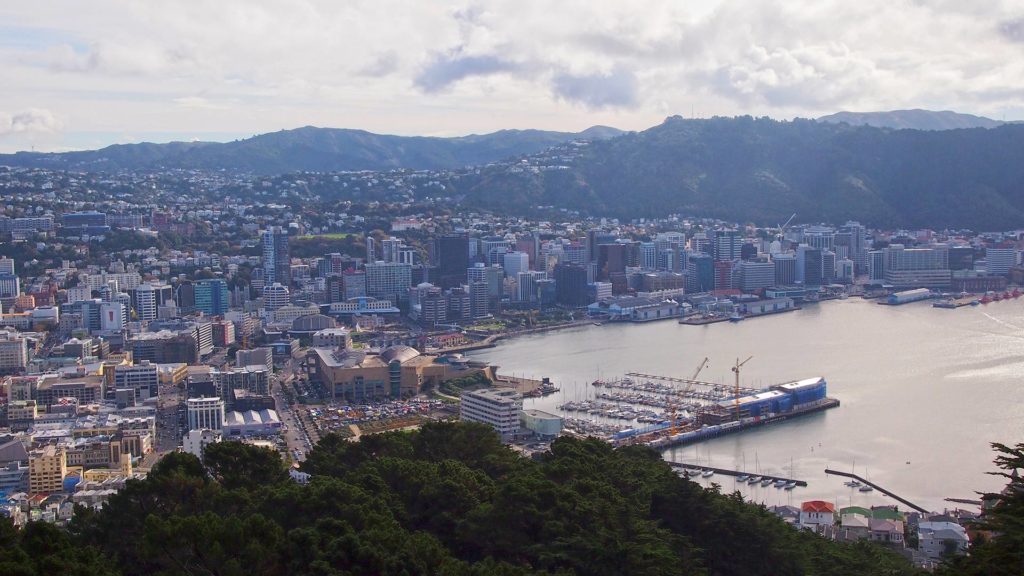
x: 498, y: 408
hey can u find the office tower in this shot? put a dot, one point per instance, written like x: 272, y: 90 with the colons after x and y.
x: 515, y: 262
x: 726, y: 245
x: 113, y: 316
x: 785, y: 268
x: 527, y: 285
x: 755, y: 275
x: 7, y: 266
x: 595, y: 238
x: 571, y: 285
x: 700, y: 273
x: 480, y: 299
x: 275, y: 296
x: 211, y: 296
x: 611, y: 260
x: 808, y: 265
x: 144, y: 301
x: 876, y: 266
x: 828, y: 267
x: 10, y: 286
x: 276, y: 257
x: 371, y: 248
x: 699, y: 242
x: 452, y: 259
x: 390, y: 248
x: 724, y: 275
x: 858, y: 245
x: 999, y: 259
x: 820, y: 237
x: 205, y: 413
x: 916, y: 267
x: 648, y: 256
x: 353, y: 284
x: 389, y: 280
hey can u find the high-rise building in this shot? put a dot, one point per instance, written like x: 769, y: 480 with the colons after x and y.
x: 353, y: 283
x: 724, y: 275
x: 211, y: 296
x: 515, y: 262
x: 755, y: 275
x: 571, y: 285
x: 452, y: 259
x: 828, y: 267
x: 144, y: 301
x: 46, y: 469
x: 113, y: 316
x: 275, y: 296
x: 479, y: 299
x: 648, y: 256
x: 371, y: 248
x: 277, y: 262
x: 611, y: 260
x: 10, y: 286
x: 999, y: 260
x: 700, y: 273
x: 7, y: 265
x: 390, y: 248
x: 876, y: 266
x: 858, y: 245
x: 389, y: 280
x: 526, y: 283
x: 785, y: 268
x: 808, y: 265
x: 917, y: 267
x: 727, y: 245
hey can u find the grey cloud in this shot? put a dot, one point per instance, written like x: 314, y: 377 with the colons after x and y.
x: 446, y: 70
x: 32, y: 120
x: 1013, y: 30
x: 381, y: 66
x: 615, y: 90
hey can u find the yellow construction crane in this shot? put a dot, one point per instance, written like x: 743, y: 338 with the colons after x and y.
x: 736, y: 370
x: 671, y: 402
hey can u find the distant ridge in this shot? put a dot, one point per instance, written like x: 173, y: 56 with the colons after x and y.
x: 315, y: 149
x: 915, y: 119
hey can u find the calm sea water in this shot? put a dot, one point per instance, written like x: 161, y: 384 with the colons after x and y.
x: 923, y: 390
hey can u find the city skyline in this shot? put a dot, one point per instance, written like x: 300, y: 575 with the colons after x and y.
x: 114, y: 73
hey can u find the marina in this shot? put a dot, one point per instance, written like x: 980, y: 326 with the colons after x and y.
x: 897, y: 399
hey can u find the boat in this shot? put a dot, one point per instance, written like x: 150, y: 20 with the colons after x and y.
x: 852, y: 483
x: 790, y: 485
x: 766, y: 482
x: 754, y: 480
x: 708, y: 473
x: 780, y: 483
x: 866, y: 488
x: 736, y: 317
x: 742, y: 478
x: 597, y: 323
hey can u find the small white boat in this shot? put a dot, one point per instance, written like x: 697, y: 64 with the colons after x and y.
x: 754, y: 480
x: 742, y: 478
x: 708, y: 473
x: 736, y: 317
x: 852, y: 483
x: 790, y: 485
x: 766, y: 482
x: 780, y: 483
x: 865, y: 488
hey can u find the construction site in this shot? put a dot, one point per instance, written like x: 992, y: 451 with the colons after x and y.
x: 665, y: 411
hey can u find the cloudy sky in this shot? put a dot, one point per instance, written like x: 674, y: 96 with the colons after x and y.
x: 80, y: 74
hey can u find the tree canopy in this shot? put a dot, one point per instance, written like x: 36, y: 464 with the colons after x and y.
x: 448, y: 499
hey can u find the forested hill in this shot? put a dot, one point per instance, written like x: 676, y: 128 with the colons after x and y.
x: 763, y: 170
x: 449, y: 500
x: 311, y: 148
x: 913, y: 119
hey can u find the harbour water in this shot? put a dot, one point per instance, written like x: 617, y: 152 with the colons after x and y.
x: 923, y: 390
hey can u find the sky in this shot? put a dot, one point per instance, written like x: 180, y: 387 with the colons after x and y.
x: 82, y: 75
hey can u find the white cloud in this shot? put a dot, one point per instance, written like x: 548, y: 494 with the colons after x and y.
x: 388, y: 66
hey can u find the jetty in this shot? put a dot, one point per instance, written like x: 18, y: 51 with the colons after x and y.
x: 899, y: 499
x: 728, y: 472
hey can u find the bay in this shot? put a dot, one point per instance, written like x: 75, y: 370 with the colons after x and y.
x: 923, y: 391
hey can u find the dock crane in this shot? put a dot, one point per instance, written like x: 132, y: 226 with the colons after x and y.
x: 689, y: 385
x: 736, y: 370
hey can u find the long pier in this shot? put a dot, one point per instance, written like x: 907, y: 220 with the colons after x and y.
x: 899, y: 499
x: 728, y: 472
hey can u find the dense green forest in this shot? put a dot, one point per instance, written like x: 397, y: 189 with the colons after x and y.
x: 762, y: 170
x: 449, y: 499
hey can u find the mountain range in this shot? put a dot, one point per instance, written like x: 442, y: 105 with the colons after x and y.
x: 913, y: 120
x: 312, y: 148
x: 762, y: 170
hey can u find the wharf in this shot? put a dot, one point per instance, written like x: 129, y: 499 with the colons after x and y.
x: 955, y: 302
x: 728, y: 472
x: 705, y: 433
x: 702, y: 320
x: 879, y: 488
